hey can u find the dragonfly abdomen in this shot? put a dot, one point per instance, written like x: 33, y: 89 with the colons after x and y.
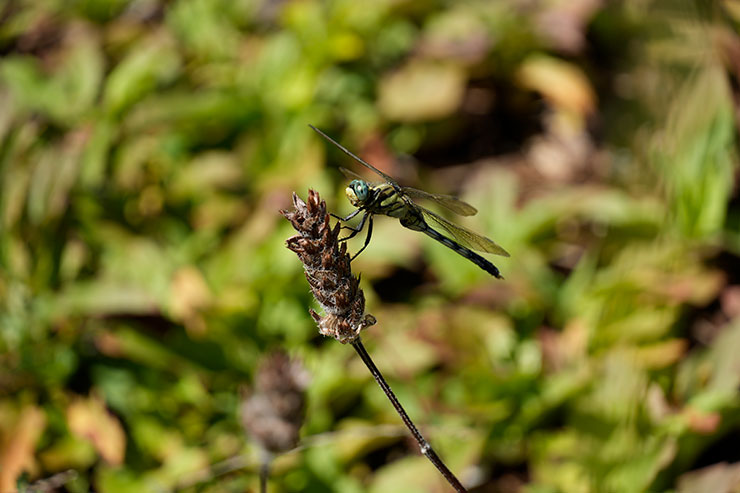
x: 465, y: 252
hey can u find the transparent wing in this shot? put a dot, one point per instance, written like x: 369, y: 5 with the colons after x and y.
x: 364, y: 163
x: 464, y: 236
x: 352, y: 175
x: 448, y: 201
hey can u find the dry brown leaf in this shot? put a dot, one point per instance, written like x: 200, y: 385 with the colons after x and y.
x: 17, y: 455
x: 701, y: 421
x: 730, y: 301
x: 718, y: 478
x: 564, y: 23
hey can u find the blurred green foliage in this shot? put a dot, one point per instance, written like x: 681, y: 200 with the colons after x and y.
x: 147, y: 146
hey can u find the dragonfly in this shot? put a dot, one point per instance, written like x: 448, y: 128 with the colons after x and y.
x: 391, y: 199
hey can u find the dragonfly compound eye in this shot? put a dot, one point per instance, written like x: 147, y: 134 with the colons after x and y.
x: 359, y: 190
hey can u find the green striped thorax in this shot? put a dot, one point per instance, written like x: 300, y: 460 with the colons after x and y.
x: 358, y: 192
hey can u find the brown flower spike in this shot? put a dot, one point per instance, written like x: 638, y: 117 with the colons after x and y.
x: 273, y: 414
x: 327, y: 267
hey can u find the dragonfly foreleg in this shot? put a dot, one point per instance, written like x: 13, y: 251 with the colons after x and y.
x: 345, y: 219
x: 355, y: 231
x: 367, y: 238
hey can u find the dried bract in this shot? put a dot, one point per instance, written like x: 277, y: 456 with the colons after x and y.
x: 327, y: 267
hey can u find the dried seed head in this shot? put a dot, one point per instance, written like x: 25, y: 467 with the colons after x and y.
x: 273, y: 414
x: 327, y: 267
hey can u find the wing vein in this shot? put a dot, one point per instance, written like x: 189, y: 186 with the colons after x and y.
x: 464, y: 236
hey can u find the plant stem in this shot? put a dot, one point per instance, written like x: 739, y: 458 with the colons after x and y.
x: 264, y: 474
x: 426, y: 449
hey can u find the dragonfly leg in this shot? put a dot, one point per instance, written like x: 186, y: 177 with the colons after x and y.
x: 356, y: 231
x: 344, y: 219
x: 367, y: 238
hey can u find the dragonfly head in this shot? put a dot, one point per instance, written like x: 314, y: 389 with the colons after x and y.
x: 357, y: 192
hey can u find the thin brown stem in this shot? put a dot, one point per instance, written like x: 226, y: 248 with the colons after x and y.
x: 264, y: 474
x: 426, y: 449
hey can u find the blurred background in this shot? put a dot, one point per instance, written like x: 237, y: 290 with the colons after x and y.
x: 147, y: 146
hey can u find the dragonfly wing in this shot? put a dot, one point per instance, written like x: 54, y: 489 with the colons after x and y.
x: 448, y: 201
x: 356, y: 158
x: 378, y: 172
x: 464, y: 236
x: 351, y: 174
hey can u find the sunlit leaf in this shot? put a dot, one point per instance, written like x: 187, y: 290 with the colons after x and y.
x: 563, y: 84
x: 422, y: 91
x: 90, y: 420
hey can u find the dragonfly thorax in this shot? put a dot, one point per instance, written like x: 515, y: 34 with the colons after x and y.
x: 358, y: 192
